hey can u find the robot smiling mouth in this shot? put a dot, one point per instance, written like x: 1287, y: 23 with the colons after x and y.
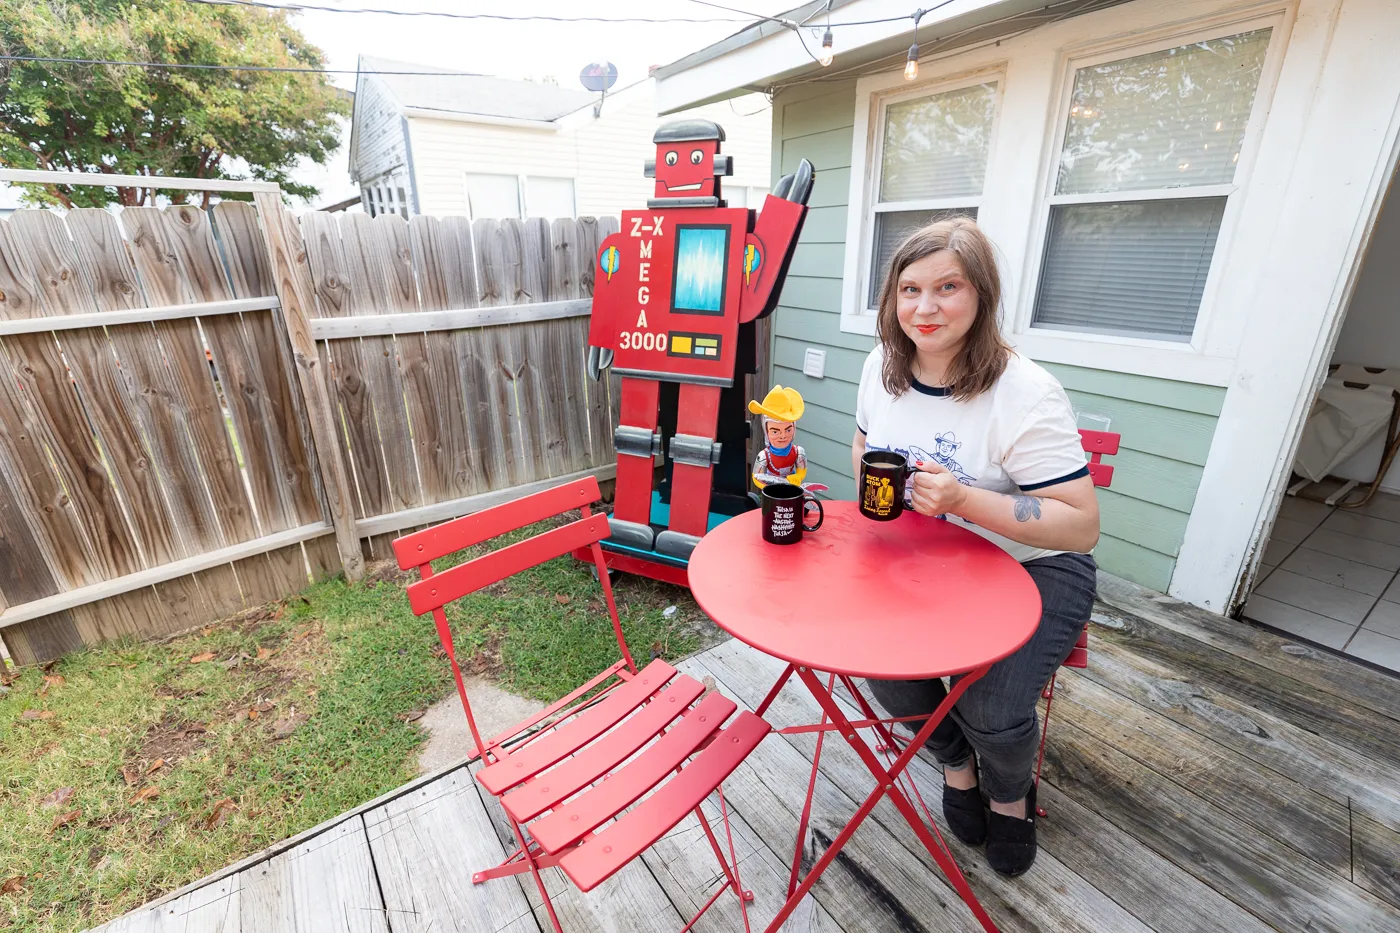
x: 694, y: 187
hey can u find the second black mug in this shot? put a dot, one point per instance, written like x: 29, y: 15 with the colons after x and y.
x: 783, y: 507
x: 880, y: 485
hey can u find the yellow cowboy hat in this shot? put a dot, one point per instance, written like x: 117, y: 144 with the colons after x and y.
x: 779, y: 404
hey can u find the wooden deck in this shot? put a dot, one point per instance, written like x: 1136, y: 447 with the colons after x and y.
x: 1202, y: 777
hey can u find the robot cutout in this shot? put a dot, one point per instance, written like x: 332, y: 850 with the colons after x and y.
x: 671, y: 289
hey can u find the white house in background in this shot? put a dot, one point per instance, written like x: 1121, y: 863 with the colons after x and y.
x: 1185, y: 195
x: 492, y: 147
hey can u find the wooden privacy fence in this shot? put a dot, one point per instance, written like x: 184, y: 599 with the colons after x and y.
x: 454, y: 352
x: 201, y: 412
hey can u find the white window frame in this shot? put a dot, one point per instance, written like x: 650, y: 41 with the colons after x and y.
x: 522, y: 192
x: 1202, y: 358
x: 866, y: 157
x: 524, y: 188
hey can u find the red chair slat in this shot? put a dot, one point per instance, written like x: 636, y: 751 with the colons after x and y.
x: 456, y: 582
x: 1101, y: 473
x: 577, y: 818
x: 602, y: 855
x: 416, y: 549
x: 1100, y: 442
x: 1079, y: 654
x: 573, y: 775
x: 573, y: 735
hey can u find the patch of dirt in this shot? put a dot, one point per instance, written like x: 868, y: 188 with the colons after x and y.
x: 487, y: 659
x: 387, y: 571
x: 170, y: 739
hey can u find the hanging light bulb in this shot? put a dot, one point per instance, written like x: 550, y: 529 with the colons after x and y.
x: 826, y: 54
x: 911, y: 63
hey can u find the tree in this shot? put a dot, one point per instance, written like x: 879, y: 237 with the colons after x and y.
x: 127, y: 119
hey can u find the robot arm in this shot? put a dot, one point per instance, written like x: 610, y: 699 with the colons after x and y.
x: 608, y: 294
x: 769, y: 249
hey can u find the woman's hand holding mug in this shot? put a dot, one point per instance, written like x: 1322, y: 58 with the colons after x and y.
x: 936, y: 491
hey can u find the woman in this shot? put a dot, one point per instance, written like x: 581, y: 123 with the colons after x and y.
x: 994, y: 442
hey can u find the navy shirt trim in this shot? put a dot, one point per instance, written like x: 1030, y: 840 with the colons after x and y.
x: 1082, y: 471
x: 936, y: 391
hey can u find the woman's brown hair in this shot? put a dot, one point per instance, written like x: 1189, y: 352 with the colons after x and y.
x: 984, y: 353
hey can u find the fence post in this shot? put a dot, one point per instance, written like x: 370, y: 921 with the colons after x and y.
x: 287, y: 257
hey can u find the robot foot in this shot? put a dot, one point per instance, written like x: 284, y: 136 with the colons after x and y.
x: 632, y: 534
x: 676, y: 544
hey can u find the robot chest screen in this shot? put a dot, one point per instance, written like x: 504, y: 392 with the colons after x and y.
x: 682, y: 278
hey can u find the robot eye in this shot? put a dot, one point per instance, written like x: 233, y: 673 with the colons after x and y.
x: 671, y: 157
x: 695, y: 156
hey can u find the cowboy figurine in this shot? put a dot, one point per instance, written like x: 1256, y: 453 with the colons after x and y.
x: 780, y: 460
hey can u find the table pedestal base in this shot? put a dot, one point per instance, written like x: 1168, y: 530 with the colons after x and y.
x: 888, y: 781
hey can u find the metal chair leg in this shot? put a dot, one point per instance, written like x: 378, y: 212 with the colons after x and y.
x: 1049, y: 694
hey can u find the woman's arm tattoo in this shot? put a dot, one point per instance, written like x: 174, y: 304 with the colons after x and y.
x: 1027, y: 508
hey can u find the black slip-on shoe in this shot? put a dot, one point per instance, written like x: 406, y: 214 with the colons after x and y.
x: 1011, y: 841
x: 966, y: 814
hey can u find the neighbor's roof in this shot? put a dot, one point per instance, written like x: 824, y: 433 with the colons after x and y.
x: 448, y: 90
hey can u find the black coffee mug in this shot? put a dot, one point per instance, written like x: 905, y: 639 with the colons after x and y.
x: 883, y: 474
x: 783, y: 508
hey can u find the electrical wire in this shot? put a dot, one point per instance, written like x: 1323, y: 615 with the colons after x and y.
x: 323, y: 71
x: 757, y: 16
x: 294, y: 7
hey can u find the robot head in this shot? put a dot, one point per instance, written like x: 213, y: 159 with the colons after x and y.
x: 688, y: 163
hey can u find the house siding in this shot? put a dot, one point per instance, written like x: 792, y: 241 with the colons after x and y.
x: 380, y: 147
x: 1167, y: 426
x: 604, y: 156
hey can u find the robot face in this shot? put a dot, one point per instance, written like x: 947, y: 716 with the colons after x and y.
x: 686, y: 169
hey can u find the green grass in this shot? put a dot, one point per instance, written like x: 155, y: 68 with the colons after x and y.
x: 352, y: 658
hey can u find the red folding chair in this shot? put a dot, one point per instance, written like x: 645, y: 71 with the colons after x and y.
x: 1098, y: 444
x: 584, y: 760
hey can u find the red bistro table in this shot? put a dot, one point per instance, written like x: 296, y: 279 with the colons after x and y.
x: 907, y: 599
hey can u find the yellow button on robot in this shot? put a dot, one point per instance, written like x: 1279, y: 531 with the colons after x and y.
x: 680, y: 344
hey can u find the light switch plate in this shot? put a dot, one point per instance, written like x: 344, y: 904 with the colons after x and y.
x: 814, y: 363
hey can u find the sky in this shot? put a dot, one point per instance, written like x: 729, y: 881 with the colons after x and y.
x: 534, y: 50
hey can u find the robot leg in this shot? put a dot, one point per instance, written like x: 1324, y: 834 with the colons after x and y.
x: 637, y: 443
x: 693, y: 455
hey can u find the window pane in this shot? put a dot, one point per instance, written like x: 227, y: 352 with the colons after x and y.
x: 549, y: 197
x: 936, y: 147
x: 891, y: 227
x: 1162, y: 120
x: 1135, y: 268
x: 495, y: 196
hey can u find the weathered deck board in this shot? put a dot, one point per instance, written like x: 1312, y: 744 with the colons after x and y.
x: 1209, y: 842
x: 1330, y: 672
x: 1175, y: 807
x: 325, y: 885
x: 1320, y: 827
x: 683, y: 863
x: 1303, y: 756
x: 426, y: 845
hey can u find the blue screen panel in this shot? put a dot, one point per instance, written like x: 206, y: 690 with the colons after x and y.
x: 701, y: 254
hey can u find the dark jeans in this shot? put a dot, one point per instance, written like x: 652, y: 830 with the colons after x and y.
x: 996, y: 717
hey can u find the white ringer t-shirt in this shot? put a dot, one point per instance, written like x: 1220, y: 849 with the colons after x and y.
x: 1018, y: 436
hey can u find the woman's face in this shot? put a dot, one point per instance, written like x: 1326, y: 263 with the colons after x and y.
x: 936, y: 304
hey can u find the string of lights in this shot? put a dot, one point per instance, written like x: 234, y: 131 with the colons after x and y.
x: 1041, y: 16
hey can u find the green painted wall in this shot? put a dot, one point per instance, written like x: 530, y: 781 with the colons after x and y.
x: 1166, y: 426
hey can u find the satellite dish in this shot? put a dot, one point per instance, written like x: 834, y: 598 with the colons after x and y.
x: 598, y: 76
